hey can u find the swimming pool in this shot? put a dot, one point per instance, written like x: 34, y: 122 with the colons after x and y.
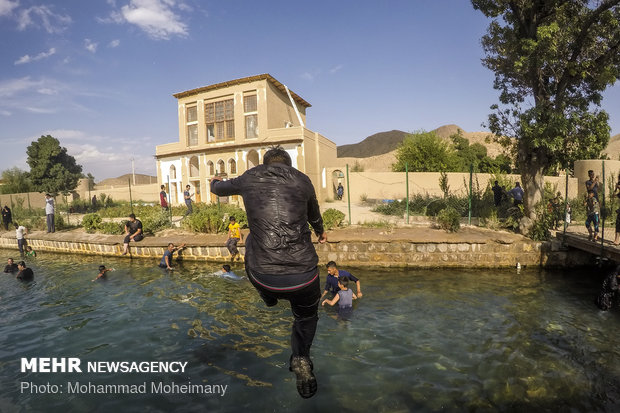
x: 419, y: 340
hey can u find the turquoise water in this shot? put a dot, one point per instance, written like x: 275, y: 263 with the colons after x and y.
x: 419, y: 340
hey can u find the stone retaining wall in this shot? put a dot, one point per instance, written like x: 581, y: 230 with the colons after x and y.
x: 395, y: 253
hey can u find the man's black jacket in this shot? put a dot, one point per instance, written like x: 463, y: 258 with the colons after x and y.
x: 280, y: 202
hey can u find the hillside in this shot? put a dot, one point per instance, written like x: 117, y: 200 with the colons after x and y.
x: 377, y: 144
x: 122, y: 180
x: 613, y: 148
x: 378, y: 152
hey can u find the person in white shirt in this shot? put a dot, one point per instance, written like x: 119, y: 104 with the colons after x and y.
x: 20, y: 234
x: 49, y: 213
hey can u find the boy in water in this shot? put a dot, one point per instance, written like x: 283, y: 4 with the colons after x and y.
x: 166, y: 260
x: 226, y: 272
x: 102, y: 272
x: 344, y: 298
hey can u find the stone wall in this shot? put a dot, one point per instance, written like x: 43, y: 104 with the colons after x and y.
x: 491, y: 254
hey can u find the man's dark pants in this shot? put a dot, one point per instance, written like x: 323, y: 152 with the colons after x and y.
x: 51, y: 227
x: 304, y: 305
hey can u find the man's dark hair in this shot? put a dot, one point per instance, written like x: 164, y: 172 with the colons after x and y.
x: 132, y: 215
x: 344, y: 281
x: 101, y: 268
x: 590, y: 172
x: 331, y: 264
x: 163, y: 186
x: 22, y: 263
x: 277, y: 154
x: 496, y: 183
x: 226, y: 267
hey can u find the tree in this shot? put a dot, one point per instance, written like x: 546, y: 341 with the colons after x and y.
x: 424, y: 152
x: 15, y: 181
x: 552, y: 60
x: 51, y: 168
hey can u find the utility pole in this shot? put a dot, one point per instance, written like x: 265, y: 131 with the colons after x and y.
x: 133, y: 172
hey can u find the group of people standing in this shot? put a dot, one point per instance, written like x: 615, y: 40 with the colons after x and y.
x: 500, y: 193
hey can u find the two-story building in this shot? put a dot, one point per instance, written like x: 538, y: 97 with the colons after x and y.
x: 227, y: 127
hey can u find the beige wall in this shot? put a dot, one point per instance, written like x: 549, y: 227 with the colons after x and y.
x: 36, y: 200
x: 280, y: 109
x: 392, y: 185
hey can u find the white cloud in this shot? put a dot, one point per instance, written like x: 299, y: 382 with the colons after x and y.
x: 51, y: 22
x: 41, y: 111
x: 66, y: 134
x: 155, y: 17
x: 5, y: 112
x: 114, y: 43
x: 335, y: 69
x: 40, y: 56
x: 7, y: 6
x: 307, y: 76
x: 11, y: 87
x: 90, y: 45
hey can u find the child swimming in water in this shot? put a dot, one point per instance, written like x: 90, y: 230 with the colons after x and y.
x: 102, y: 272
x: 30, y: 252
x: 344, y: 298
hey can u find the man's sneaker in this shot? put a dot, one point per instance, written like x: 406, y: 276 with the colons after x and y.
x: 306, y: 382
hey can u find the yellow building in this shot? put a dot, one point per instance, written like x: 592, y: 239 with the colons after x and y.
x: 227, y: 127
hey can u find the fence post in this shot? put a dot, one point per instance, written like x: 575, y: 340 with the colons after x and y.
x: 603, y: 213
x: 130, y: 198
x: 348, y: 194
x: 169, y: 200
x: 566, y: 203
x: 407, y: 180
x: 471, y: 173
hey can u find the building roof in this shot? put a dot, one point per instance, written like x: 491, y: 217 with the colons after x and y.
x: 265, y: 76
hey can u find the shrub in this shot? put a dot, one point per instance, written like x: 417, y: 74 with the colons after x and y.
x: 111, y: 228
x: 91, y: 222
x: 434, y: 207
x: 332, y: 218
x: 449, y: 219
x: 154, y: 220
x: 213, y: 218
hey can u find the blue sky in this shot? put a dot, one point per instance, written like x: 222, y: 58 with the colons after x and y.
x: 99, y: 74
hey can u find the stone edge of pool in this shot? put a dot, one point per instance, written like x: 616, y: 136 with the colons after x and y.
x: 384, y: 249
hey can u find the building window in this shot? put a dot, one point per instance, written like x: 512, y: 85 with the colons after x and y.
x: 194, y: 169
x: 221, y: 167
x: 232, y: 166
x: 192, y: 114
x: 192, y: 135
x: 220, y: 120
x: 249, y: 104
x: 211, y: 168
x: 250, y: 107
x: 173, y: 172
x: 191, y: 120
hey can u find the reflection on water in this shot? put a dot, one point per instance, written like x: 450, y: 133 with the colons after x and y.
x: 419, y: 340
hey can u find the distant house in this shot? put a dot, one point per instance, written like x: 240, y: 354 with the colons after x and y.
x: 227, y: 127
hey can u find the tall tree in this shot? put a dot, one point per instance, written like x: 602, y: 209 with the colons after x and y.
x: 15, y: 181
x: 424, y: 152
x: 52, y: 169
x: 552, y: 60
